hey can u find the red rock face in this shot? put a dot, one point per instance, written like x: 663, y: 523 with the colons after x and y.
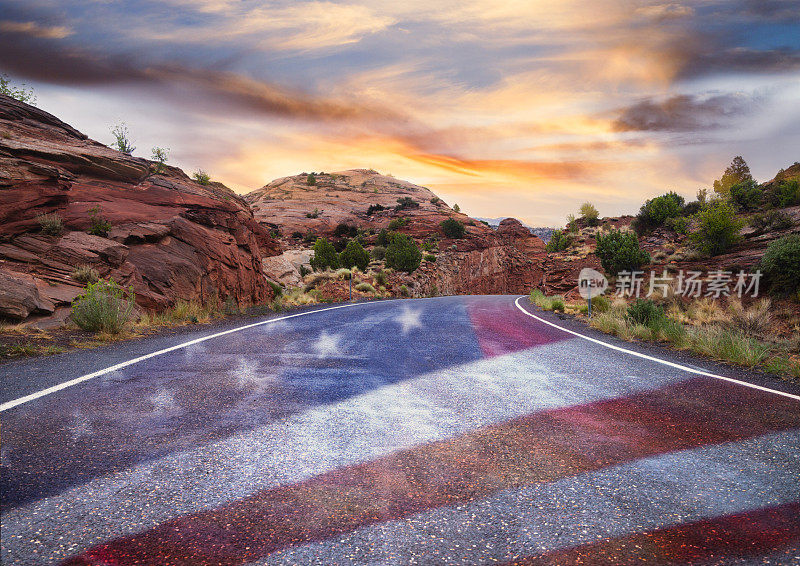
x: 483, y: 262
x: 170, y: 238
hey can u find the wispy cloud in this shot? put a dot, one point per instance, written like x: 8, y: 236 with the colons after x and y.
x: 35, y: 29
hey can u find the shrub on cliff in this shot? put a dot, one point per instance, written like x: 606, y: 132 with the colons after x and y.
x: 201, y: 177
x: 406, y: 202
x: 345, y: 230
x: 121, y: 141
x: 354, y: 255
x: 398, y: 223
x: 103, y: 307
x: 378, y: 253
x: 619, y: 251
x: 99, y: 225
x: 655, y: 212
x: 403, y: 254
x: 559, y: 241
x: 452, y: 228
x: 781, y: 263
x: 717, y: 229
x: 373, y: 208
x: 325, y: 255
x: 383, y: 238
x: 22, y: 94
x: 786, y: 194
x: 311, y: 180
x: 589, y: 214
x: 51, y: 224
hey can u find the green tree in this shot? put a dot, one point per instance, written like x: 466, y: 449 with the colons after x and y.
x: 311, y: 180
x: 452, y: 228
x: 717, y: 228
x: 325, y: 255
x: 19, y: 93
x: 354, y: 255
x: 122, y: 140
x: 619, y: 250
x: 456, y: 208
x: 403, y: 254
x: 559, y: 241
x: 746, y: 195
x: 655, y: 212
x: 737, y: 172
x: 201, y: 177
x: 383, y: 238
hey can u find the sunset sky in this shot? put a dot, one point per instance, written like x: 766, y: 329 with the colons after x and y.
x: 512, y: 108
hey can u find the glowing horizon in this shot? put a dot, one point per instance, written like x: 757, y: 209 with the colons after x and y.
x: 524, y: 109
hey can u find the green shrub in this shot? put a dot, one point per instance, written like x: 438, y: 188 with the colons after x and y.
x: 406, y: 202
x: 771, y: 220
x: 22, y: 94
x: 781, y: 264
x: 430, y: 257
x: 378, y: 253
x: 398, y: 223
x: 572, y: 224
x: 121, y: 141
x: 746, y: 195
x: 201, y: 177
x: 104, y: 306
x: 373, y: 208
x: 325, y: 256
x: 277, y: 290
x: 159, y: 156
x: 297, y: 235
x: 380, y: 278
x: 680, y: 224
x: 404, y: 291
x: 717, y: 229
x: 645, y: 311
x: 314, y: 214
x: 403, y: 253
x: 310, y: 237
x: 345, y: 230
x: 51, y: 223
x: 99, y: 225
x: 365, y: 288
x: 655, y: 212
x: 600, y: 304
x: 589, y: 214
x: 311, y: 180
x: 354, y: 255
x: 344, y: 274
x: 383, y: 238
x: 456, y: 208
x: 554, y: 303
x: 452, y: 228
x: 737, y: 172
x: 619, y: 251
x: 86, y: 274
x: 304, y: 271
x: 435, y: 200
x: 559, y: 241
x: 786, y: 194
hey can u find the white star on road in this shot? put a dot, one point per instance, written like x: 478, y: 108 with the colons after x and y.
x: 409, y: 319
x: 328, y: 344
x: 163, y: 401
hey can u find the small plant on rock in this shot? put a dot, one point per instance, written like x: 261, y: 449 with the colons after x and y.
x: 86, y: 274
x: 453, y: 229
x: 51, y: 224
x: 122, y: 141
x: 159, y: 156
x: 201, y: 177
x: 99, y: 225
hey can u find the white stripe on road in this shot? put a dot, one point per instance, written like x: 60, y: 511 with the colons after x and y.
x: 50, y: 390
x: 659, y: 360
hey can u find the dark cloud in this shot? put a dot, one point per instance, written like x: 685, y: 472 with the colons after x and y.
x: 680, y: 113
x: 740, y: 60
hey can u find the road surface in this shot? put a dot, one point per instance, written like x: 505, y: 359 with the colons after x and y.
x: 453, y: 430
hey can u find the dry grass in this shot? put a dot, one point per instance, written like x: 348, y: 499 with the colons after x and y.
x: 755, y: 319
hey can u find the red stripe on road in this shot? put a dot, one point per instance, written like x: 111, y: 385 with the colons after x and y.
x: 504, y: 330
x: 539, y: 447
x: 751, y: 535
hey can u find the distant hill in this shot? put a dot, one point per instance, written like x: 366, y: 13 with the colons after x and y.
x: 544, y: 233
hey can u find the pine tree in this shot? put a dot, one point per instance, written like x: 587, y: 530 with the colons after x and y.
x: 737, y: 172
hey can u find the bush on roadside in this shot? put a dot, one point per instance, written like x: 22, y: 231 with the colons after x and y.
x: 103, y: 307
x: 717, y: 229
x: 619, y: 251
x: 403, y: 253
x: 325, y: 256
x: 781, y: 264
x: 354, y: 255
x: 365, y: 287
x: 645, y: 311
x: 380, y: 278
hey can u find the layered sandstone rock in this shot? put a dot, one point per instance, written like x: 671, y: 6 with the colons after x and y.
x: 170, y: 238
x: 484, y: 261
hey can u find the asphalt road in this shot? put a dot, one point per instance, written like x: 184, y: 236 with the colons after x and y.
x: 454, y: 430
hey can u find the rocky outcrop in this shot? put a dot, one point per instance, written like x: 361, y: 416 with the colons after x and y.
x: 485, y: 261
x: 170, y: 237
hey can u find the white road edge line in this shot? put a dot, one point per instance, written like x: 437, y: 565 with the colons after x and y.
x: 659, y: 360
x: 50, y: 390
